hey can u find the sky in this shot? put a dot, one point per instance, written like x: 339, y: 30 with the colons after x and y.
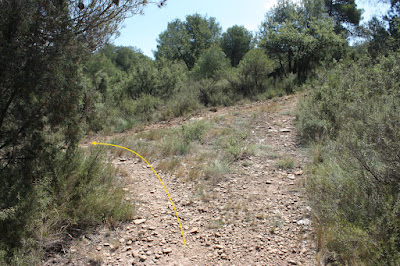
x: 142, y: 31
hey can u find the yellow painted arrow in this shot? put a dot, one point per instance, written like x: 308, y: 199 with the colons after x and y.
x: 173, y: 205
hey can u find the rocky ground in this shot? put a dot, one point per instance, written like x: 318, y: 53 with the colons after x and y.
x: 257, y: 214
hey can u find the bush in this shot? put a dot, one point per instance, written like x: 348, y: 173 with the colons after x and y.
x: 233, y: 145
x: 353, y: 186
x: 214, y: 93
x: 81, y: 191
x: 145, y: 106
x: 211, y: 65
x: 183, y: 101
x: 179, y: 142
x: 254, y: 69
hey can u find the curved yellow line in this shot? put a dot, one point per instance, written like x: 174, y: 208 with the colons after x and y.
x: 173, y: 205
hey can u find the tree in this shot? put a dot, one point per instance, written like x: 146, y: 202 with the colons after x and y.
x: 314, y: 9
x: 297, y: 41
x: 41, y: 45
x: 383, y: 35
x: 377, y: 37
x: 186, y: 40
x: 236, y: 42
x: 343, y: 11
x: 211, y: 64
x: 393, y: 17
x: 127, y: 57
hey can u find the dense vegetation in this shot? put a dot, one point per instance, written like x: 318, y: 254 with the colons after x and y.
x: 60, y: 79
x: 351, y: 118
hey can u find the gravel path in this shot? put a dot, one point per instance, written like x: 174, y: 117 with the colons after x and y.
x: 257, y: 214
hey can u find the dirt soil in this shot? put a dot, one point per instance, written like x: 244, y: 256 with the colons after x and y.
x: 257, y: 214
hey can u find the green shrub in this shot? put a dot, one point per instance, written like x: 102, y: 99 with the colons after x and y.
x: 287, y: 84
x: 211, y: 65
x: 232, y: 144
x: 145, y: 105
x: 194, y: 131
x: 214, y: 171
x: 285, y: 164
x: 179, y: 140
x: 183, y: 101
x: 214, y: 92
x: 80, y: 192
x: 353, y: 183
x: 88, y: 191
x: 254, y: 69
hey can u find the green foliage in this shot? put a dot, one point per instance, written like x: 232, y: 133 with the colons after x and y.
x: 87, y: 191
x: 179, y: 141
x: 378, y: 38
x: 353, y: 183
x: 194, y: 131
x: 393, y: 18
x: 187, y: 40
x: 142, y: 79
x: 144, y: 107
x: 183, y: 101
x: 212, y: 64
x: 77, y: 191
x: 210, y: 77
x: 170, y: 76
x: 44, y: 100
x: 118, y: 99
x: 212, y: 93
x: 299, y: 41
x: 343, y: 11
x: 232, y: 143
x: 236, y: 42
x: 254, y: 70
x: 285, y: 164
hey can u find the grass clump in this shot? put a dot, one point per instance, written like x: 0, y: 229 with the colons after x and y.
x: 214, y: 172
x: 232, y: 141
x: 285, y: 164
x: 179, y: 140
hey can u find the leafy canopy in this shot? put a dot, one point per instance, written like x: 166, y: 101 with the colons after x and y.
x: 236, y: 42
x: 212, y: 64
x: 298, y: 40
x: 187, y: 40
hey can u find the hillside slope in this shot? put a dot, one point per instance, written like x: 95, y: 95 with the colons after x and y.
x: 254, y: 213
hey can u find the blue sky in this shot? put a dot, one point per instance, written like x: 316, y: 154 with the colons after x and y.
x: 142, y: 31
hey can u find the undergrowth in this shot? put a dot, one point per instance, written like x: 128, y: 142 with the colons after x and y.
x: 351, y: 118
x: 82, y: 191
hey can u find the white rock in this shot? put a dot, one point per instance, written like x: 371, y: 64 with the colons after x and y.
x: 167, y: 250
x: 139, y: 221
x: 135, y: 253
x: 304, y: 222
x: 194, y: 230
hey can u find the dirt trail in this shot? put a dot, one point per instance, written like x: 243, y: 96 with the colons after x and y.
x: 256, y: 216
